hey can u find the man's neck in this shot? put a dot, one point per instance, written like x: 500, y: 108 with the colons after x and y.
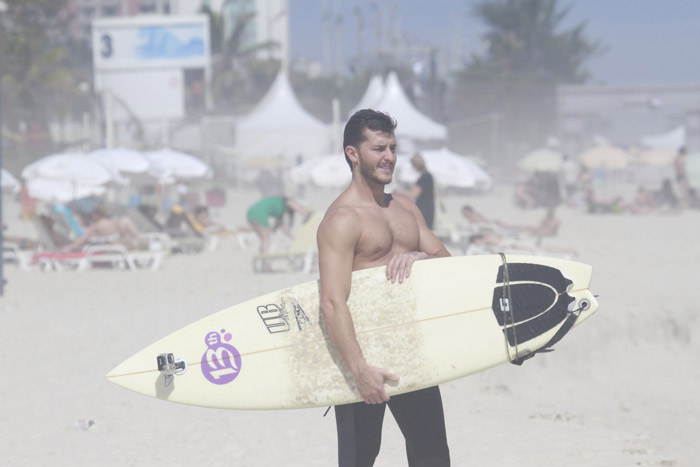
x: 371, y: 190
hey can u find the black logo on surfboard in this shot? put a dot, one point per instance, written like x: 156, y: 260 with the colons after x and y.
x: 277, y: 318
x: 531, y: 302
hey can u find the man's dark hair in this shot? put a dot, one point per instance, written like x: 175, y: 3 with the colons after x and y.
x: 366, y: 118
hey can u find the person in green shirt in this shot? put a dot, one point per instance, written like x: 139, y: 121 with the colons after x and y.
x: 267, y: 215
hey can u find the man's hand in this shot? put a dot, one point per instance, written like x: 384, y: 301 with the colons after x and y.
x: 399, y: 267
x: 370, y: 384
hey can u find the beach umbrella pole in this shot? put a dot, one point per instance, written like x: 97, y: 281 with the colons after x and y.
x: 2, y: 272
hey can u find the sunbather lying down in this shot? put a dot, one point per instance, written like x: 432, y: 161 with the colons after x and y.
x: 105, y: 229
x: 548, y: 225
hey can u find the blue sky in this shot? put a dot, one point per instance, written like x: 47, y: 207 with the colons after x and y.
x: 648, y: 41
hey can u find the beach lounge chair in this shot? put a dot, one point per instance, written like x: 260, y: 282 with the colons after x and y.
x: 12, y: 253
x: 301, y: 254
x: 158, y: 237
x: 51, y: 238
x: 117, y: 256
x: 51, y: 258
x: 189, y: 239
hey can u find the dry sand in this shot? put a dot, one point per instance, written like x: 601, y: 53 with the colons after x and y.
x: 623, y: 389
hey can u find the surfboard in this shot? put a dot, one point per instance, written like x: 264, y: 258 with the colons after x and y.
x: 453, y: 317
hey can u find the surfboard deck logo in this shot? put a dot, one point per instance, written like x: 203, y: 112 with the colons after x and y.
x: 276, y: 317
x: 221, y: 362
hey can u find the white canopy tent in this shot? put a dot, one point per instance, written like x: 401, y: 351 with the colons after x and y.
x: 672, y: 141
x: 372, y: 96
x: 412, y: 124
x: 280, y: 127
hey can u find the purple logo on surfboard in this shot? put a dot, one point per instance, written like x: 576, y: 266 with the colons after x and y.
x: 221, y: 362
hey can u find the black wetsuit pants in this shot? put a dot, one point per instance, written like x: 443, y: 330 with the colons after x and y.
x: 420, y: 417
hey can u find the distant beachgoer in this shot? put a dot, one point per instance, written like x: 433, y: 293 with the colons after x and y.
x: 423, y: 192
x: 666, y: 196
x: 525, y: 193
x: 547, y: 227
x: 643, y: 202
x: 201, y: 221
x: 273, y: 207
x: 105, y: 229
x: 494, y: 229
x: 569, y: 173
x: 541, y: 189
x: 598, y: 205
x: 681, y: 171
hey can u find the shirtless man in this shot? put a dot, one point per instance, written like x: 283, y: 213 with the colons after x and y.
x: 364, y: 228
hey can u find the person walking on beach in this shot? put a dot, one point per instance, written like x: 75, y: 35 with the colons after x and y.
x: 363, y: 228
x: 680, y: 166
x: 423, y: 192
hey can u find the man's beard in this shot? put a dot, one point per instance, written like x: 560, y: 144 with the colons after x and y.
x: 372, y: 173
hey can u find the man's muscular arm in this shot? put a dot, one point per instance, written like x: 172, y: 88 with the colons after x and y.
x: 399, y: 267
x: 337, y: 238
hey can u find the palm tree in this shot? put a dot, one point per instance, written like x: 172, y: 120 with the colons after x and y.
x: 524, y: 36
x: 239, y: 77
x: 527, y: 54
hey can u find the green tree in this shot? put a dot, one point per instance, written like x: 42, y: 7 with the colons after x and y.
x: 239, y: 78
x: 38, y: 77
x: 527, y: 54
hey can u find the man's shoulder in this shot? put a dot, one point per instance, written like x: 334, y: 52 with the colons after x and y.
x: 340, y: 225
x: 340, y: 213
x: 402, y: 199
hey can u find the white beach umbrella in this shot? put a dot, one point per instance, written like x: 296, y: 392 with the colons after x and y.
x: 332, y: 172
x: 9, y: 181
x: 448, y: 168
x: 67, y: 176
x: 656, y: 157
x: 76, y: 168
x: 605, y: 157
x: 169, y: 164
x: 693, y: 168
x: 672, y: 140
x: 329, y: 171
x: 542, y: 160
x: 61, y: 191
x: 122, y: 160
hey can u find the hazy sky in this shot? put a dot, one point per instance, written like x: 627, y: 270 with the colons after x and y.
x: 648, y: 41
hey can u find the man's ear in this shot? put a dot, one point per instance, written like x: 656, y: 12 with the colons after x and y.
x: 351, y: 152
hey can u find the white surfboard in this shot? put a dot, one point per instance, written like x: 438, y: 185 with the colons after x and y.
x: 453, y: 317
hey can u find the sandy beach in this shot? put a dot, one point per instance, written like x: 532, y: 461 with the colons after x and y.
x: 623, y: 389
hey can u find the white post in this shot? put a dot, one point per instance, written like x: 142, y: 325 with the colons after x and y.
x: 337, y: 142
x: 109, y: 117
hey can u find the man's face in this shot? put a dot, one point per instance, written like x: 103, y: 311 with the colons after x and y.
x: 376, y: 157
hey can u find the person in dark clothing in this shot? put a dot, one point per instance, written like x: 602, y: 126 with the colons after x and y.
x: 423, y: 192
